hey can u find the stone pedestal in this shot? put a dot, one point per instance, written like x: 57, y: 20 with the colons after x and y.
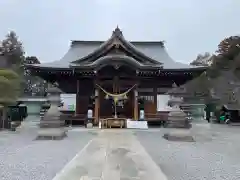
x: 89, y: 125
x: 179, y: 135
x: 51, y: 125
x: 51, y: 134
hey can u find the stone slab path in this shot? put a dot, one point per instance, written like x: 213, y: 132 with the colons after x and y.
x: 112, y: 155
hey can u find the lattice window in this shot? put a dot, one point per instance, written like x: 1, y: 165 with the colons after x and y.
x: 148, y: 98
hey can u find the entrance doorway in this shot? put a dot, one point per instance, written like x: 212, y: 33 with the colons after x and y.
x: 116, y: 81
x: 124, y: 107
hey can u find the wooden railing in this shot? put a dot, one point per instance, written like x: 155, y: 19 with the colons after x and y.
x: 72, y: 119
x: 159, y: 116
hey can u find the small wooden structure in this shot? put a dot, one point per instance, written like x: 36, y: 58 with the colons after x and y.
x: 113, y: 122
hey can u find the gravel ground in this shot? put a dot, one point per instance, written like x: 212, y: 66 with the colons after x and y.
x: 214, y: 155
x: 24, y: 158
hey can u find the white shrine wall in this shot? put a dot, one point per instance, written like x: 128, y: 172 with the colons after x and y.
x: 162, y: 102
x: 69, y: 102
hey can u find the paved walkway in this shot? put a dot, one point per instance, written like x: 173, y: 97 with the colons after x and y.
x: 112, y: 155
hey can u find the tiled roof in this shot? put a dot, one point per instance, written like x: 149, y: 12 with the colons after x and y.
x: 154, y: 50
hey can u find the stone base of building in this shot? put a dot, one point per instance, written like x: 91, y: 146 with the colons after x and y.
x: 178, y: 124
x: 179, y: 135
x: 51, y: 134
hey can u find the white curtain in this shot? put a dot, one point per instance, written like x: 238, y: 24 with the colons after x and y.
x: 162, y: 102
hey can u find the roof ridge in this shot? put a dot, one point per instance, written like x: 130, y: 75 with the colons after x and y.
x: 73, y: 42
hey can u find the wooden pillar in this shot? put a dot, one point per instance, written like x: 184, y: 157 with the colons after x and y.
x: 96, y: 107
x: 77, y: 109
x: 155, y: 97
x: 135, y: 105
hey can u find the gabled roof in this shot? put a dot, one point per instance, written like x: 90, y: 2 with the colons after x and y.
x: 83, y: 51
x: 114, y: 60
x: 118, y: 43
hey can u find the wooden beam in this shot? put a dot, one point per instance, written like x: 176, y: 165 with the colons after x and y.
x: 96, y: 107
x: 155, y: 96
x: 77, y: 108
x: 135, y: 105
x: 110, y: 82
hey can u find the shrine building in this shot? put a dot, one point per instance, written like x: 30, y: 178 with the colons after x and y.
x: 118, y: 71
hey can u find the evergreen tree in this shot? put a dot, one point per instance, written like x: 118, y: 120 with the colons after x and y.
x: 13, y: 50
x: 9, y: 88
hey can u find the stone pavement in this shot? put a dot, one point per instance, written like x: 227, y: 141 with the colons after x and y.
x: 112, y: 155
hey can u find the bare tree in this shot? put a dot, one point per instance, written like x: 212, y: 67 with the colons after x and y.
x: 202, y: 60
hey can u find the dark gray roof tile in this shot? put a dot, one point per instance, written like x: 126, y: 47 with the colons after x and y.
x: 153, y: 50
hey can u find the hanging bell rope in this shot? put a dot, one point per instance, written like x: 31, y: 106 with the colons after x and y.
x: 116, y: 97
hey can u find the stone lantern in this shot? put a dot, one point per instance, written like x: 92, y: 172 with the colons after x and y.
x: 51, y: 125
x: 178, y: 119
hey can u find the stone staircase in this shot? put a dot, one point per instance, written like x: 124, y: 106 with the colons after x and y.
x: 30, y: 122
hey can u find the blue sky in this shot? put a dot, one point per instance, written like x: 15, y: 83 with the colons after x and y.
x: 189, y: 27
